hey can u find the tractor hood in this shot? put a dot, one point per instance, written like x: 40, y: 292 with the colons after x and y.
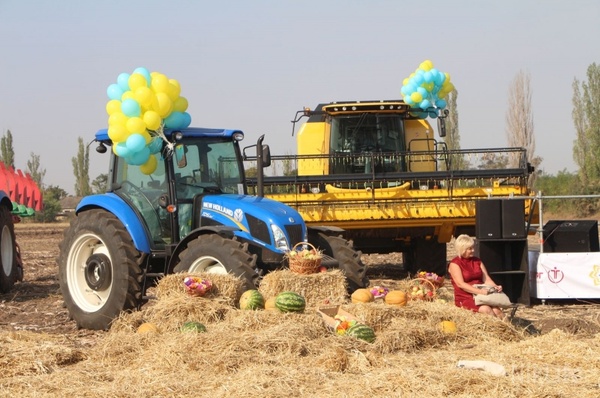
x: 256, y: 216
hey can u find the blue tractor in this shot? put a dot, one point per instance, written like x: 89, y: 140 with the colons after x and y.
x: 190, y: 214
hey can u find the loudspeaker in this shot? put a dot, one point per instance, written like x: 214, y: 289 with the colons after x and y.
x: 488, y: 219
x: 513, y: 219
x: 571, y: 236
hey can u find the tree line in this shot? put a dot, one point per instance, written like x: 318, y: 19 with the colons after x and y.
x: 520, y: 132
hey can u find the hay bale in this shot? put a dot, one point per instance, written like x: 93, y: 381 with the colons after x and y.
x: 225, y: 287
x: 317, y: 289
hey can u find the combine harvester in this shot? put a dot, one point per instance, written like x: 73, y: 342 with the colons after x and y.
x: 19, y: 197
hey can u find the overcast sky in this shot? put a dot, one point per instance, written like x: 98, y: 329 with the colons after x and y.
x: 251, y: 65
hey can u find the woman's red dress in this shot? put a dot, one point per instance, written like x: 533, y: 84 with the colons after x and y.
x: 472, y: 274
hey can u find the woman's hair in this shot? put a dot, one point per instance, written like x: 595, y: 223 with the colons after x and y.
x: 462, y: 243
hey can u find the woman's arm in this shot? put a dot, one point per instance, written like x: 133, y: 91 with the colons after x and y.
x: 488, y: 280
x: 458, y: 279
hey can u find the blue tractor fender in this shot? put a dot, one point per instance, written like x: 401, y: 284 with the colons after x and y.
x: 117, y: 206
x: 223, y: 230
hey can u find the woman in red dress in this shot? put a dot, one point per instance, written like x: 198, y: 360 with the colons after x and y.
x: 467, y: 270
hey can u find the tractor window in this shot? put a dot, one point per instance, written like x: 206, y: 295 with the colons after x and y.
x: 357, y: 136
x: 143, y: 191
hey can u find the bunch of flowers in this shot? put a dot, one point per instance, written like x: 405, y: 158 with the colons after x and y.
x: 343, y: 324
x: 379, y: 291
x: 196, y: 286
x: 435, y: 279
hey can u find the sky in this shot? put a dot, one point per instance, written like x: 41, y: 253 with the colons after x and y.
x: 251, y: 65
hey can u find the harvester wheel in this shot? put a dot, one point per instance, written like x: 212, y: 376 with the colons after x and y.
x: 8, y: 251
x: 99, y: 270
x: 349, y: 259
x: 212, y: 253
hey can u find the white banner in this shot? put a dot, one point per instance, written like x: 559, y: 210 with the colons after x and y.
x: 566, y: 275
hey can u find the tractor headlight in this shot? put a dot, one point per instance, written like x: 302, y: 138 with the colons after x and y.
x: 280, y: 240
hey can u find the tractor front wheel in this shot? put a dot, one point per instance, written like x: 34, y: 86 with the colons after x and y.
x: 215, y: 254
x: 99, y: 270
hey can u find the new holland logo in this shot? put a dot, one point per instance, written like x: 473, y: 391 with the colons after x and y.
x: 238, y: 215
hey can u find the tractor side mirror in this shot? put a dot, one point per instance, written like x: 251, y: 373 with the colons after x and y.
x: 266, y: 156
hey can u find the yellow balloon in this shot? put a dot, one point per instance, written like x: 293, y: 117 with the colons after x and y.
x: 143, y: 95
x: 160, y: 83
x: 416, y: 97
x: 426, y: 65
x: 113, y: 106
x: 174, y: 89
x: 135, y: 125
x: 180, y: 104
x: 164, y: 105
x: 146, y: 136
x: 152, y: 120
x: 128, y: 95
x: 149, y: 167
x: 117, y: 119
x: 136, y: 81
x: 118, y: 133
x: 405, y: 81
x: 427, y: 86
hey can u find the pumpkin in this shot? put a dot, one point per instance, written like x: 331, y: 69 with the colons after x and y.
x: 447, y: 327
x: 290, y: 302
x: 252, y: 300
x: 147, y: 327
x: 362, y: 332
x: 270, y: 304
x: 362, y: 296
x: 396, y: 297
x: 193, y: 327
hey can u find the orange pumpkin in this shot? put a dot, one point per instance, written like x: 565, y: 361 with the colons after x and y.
x: 362, y: 296
x: 396, y: 297
x: 147, y: 327
x: 270, y: 304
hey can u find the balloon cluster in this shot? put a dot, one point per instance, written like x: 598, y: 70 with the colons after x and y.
x: 140, y: 106
x: 427, y: 87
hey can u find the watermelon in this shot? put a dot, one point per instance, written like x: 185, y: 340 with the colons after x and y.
x: 193, y: 327
x: 252, y: 300
x: 290, y: 302
x: 362, y: 332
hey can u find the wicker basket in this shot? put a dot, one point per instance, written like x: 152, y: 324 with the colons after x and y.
x: 429, y: 287
x: 301, y: 265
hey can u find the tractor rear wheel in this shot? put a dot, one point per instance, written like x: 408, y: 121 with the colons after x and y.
x: 99, y: 270
x: 348, y: 259
x: 8, y: 251
x: 212, y: 253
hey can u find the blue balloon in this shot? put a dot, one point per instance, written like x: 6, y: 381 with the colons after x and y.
x: 123, y: 81
x: 144, y: 72
x: 139, y: 158
x: 422, y: 91
x: 428, y: 77
x: 155, y: 145
x: 186, y: 120
x: 440, y: 103
x: 174, y: 120
x: 114, y: 92
x: 418, y: 79
x: 131, y: 108
x: 424, y: 104
x: 408, y: 100
x: 433, y: 114
x: 122, y: 150
x: 135, y: 142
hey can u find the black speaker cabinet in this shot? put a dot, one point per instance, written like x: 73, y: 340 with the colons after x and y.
x: 571, y: 236
x: 488, y: 219
x: 513, y: 219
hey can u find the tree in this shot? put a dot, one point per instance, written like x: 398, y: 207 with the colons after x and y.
x: 81, y: 166
x: 519, y: 122
x: 52, y: 197
x: 100, y: 184
x: 586, y: 117
x: 33, y: 168
x: 452, y: 139
x: 6, y: 150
